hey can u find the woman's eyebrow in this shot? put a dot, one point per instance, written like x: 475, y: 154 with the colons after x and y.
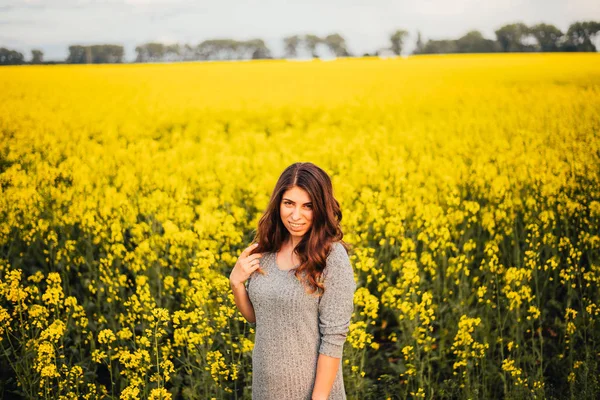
x: 291, y: 201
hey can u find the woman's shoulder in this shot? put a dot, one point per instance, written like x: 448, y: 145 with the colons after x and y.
x: 338, y: 265
x: 337, y: 249
x: 338, y: 257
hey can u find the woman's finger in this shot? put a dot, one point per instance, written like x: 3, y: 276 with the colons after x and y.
x: 248, y: 249
x: 252, y: 262
x: 254, y: 256
x: 254, y: 268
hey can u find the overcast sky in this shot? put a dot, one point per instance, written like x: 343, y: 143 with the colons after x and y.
x: 53, y: 25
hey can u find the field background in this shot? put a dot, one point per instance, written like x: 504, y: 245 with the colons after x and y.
x: 470, y: 191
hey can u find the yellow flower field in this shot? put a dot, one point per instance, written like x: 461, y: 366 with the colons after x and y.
x: 470, y: 191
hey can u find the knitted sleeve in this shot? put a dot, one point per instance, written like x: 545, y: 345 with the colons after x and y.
x: 247, y: 284
x: 337, y: 302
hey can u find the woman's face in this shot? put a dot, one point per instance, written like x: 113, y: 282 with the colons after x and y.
x: 296, y: 211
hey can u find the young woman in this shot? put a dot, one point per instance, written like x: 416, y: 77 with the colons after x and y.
x: 297, y: 285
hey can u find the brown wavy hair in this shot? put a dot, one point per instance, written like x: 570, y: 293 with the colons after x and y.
x: 313, y: 248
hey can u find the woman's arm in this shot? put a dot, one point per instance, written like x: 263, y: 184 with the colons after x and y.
x: 327, y: 368
x: 335, y: 311
x: 246, y: 264
x: 242, y: 301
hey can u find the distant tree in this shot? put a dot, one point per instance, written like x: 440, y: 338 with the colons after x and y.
x: 141, y: 53
x: 107, y: 53
x: 259, y: 49
x: 547, y: 36
x: 96, y: 54
x: 511, y: 37
x: 210, y: 49
x: 474, y: 42
x: 580, y: 35
x: 291, y: 44
x: 311, y: 42
x: 440, y: 47
x: 419, y: 45
x: 232, y: 49
x: 219, y: 49
x: 37, y: 56
x: 397, y: 39
x: 150, y: 52
x: 229, y: 49
x: 173, y: 52
x: 77, y: 55
x: 336, y: 44
x: 188, y: 53
x: 10, y: 57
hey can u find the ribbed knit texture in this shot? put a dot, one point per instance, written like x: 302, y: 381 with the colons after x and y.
x: 293, y: 327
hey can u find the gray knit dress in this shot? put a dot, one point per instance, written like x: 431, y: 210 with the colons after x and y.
x: 293, y: 327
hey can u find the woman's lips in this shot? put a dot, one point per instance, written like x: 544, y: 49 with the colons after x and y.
x: 296, y: 227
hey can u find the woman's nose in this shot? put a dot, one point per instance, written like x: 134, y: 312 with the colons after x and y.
x: 296, y: 213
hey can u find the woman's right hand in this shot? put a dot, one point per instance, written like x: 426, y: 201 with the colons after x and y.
x: 245, y: 266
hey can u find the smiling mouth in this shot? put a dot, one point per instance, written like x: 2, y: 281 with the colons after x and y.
x: 296, y: 225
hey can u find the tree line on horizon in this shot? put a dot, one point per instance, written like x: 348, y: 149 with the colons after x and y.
x: 515, y: 37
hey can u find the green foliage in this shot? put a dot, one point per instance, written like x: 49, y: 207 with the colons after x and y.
x: 397, y: 39
x: 37, y: 56
x: 580, y: 35
x: 336, y: 44
x: 96, y: 54
x: 291, y: 44
x: 548, y: 36
x: 10, y: 57
x: 511, y: 37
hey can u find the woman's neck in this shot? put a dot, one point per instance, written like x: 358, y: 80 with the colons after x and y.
x: 293, y: 241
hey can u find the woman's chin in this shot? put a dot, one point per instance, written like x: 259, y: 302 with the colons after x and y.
x: 296, y: 233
